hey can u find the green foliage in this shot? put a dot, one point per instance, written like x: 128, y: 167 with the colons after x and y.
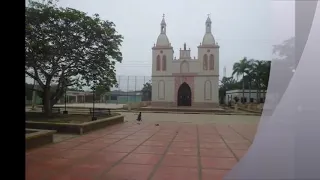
x: 228, y: 83
x: 147, y: 87
x: 259, y: 73
x: 67, y: 48
x: 147, y: 91
x: 254, y: 75
x: 101, y: 90
x: 241, y: 68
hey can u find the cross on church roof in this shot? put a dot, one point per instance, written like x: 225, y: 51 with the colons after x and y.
x: 163, y: 15
x: 209, y: 15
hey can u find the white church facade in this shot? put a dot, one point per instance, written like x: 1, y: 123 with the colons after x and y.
x: 185, y: 81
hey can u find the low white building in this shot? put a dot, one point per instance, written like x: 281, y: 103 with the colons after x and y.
x: 230, y: 95
x: 77, y: 97
x: 185, y: 81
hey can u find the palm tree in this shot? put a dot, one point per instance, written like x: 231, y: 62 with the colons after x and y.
x: 240, y: 69
x: 259, y: 73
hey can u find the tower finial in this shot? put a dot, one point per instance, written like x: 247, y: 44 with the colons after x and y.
x: 163, y: 15
x: 163, y: 25
x: 208, y: 15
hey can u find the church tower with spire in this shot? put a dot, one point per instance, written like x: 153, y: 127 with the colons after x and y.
x: 208, y: 51
x: 208, y: 57
x: 162, y: 51
x: 162, y: 56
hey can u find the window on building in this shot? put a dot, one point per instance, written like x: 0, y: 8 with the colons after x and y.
x: 164, y: 63
x: 205, y: 62
x: 211, y: 62
x: 158, y: 63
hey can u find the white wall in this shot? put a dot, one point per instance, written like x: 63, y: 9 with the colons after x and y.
x: 157, y: 90
x: 215, y: 51
x: 201, y: 94
x: 238, y: 93
x: 169, y: 54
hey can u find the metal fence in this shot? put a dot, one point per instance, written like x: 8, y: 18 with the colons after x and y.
x: 129, y: 90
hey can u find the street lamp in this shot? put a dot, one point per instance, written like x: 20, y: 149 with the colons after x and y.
x: 94, y: 72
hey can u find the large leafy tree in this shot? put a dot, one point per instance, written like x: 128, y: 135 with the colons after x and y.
x: 283, y: 67
x: 65, y: 48
x: 285, y: 51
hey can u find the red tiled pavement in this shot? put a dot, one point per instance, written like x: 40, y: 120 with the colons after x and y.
x: 174, y: 151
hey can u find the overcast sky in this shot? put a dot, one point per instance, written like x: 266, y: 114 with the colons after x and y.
x: 241, y: 27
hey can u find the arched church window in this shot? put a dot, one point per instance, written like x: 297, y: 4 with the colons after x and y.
x: 164, y: 63
x: 161, y: 90
x: 205, y: 62
x: 207, y: 90
x: 211, y: 62
x: 158, y: 63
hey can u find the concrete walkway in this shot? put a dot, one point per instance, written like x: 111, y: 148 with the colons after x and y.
x: 170, y: 151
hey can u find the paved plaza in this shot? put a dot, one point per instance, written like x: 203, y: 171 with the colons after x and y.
x: 174, y: 150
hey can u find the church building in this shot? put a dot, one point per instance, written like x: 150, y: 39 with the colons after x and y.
x: 185, y: 81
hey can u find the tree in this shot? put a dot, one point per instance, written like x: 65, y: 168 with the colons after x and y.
x: 147, y: 91
x: 241, y: 68
x: 285, y: 51
x: 66, y: 48
x: 283, y: 68
x: 255, y: 74
x: 259, y: 73
x: 227, y: 83
x: 100, y: 91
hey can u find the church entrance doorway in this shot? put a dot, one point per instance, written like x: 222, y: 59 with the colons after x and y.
x: 184, y: 95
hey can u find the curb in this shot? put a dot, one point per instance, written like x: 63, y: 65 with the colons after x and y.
x: 172, y: 112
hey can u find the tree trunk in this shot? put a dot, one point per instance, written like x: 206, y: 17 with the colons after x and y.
x: 250, y: 91
x: 257, y: 92
x: 47, y: 109
x: 243, y: 88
